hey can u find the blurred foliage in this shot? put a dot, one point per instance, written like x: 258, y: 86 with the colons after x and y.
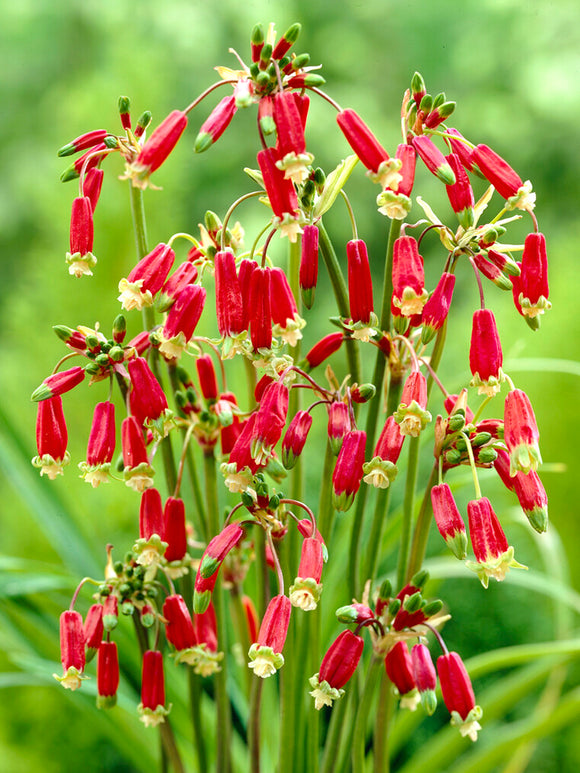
x: 513, y: 70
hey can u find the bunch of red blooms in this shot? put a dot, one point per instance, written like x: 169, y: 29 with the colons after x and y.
x: 259, y: 318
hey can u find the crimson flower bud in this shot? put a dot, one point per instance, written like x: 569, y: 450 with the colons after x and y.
x: 533, y: 499
x: 185, y: 274
x: 179, y: 629
x: 399, y: 668
x: 174, y: 530
x: 110, y: 612
x: 286, y: 41
x: 266, y: 654
x: 485, y: 354
x: 93, y: 630
x: 408, y: 156
x: 84, y: 141
x: 354, y: 613
x: 348, y: 471
x: 458, y: 695
x: 521, y: 433
x: 88, y: 160
x: 394, y: 201
x: 309, y: 264
x: 146, y: 278
x: 425, y: 677
x: 290, y: 143
x: 338, y: 665
x: 448, y: 520
x: 460, y: 192
x: 260, y: 315
x: 281, y: 194
x: 360, y: 289
x: 295, y: 438
x: 207, y: 377
x: 211, y: 560
x: 287, y: 321
x: 504, y: 262
x: 216, y: 123
x: 246, y: 269
x: 266, y: 114
x: 228, y: 292
x: 92, y: 186
x: 533, y: 297
x: 242, y: 466
x: 409, y: 293
x: 455, y: 403
x: 490, y: 270
x: 437, y: 307
x: 306, y: 590
x: 493, y: 556
x: 107, y: 675
x: 381, y: 168
x: 147, y: 398
x: 152, y: 711
x: 137, y: 472
x: 208, y: 657
x: 439, y: 114
x: 504, y: 179
x: 322, y: 350
x: 51, y: 438
x: 156, y: 149
x: 382, y: 469
x: 338, y: 424
x: 460, y: 147
x: 182, y: 320
x: 101, y: 445
x: 150, y: 514
x: 72, y: 650
x: 502, y: 467
x: 270, y: 420
x: 411, y: 415
x: 58, y: 384
x: 433, y: 159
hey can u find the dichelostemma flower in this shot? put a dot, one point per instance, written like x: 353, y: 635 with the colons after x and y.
x: 179, y: 629
x: 150, y: 546
x: 448, y: 520
x: 409, y: 293
x: 382, y: 469
x: 411, y: 415
x: 425, y: 677
x: 399, y: 668
x: 521, y: 433
x: 208, y: 658
x: 152, y: 711
x: 211, y: 560
x: 295, y: 438
x: 434, y: 159
x: 147, y: 399
x: 533, y: 297
x: 93, y: 630
x: 306, y: 590
x: 360, y: 291
x: 216, y: 123
x: 266, y: 654
x: 156, y: 149
x: 51, y: 438
x: 146, y: 278
x: 281, y: 194
x: 533, y: 499
x: 395, y: 201
x: 337, y: 667
x: 381, y: 168
x: 107, y: 675
x: 309, y: 264
x: 287, y: 322
x: 504, y: 179
x: 137, y: 471
x: 101, y: 445
x: 437, y: 307
x: 348, y: 471
x: 294, y: 159
x: 181, y: 321
x: 80, y: 259
x: 458, y: 695
x: 494, y: 557
x: 72, y: 650
x: 485, y: 354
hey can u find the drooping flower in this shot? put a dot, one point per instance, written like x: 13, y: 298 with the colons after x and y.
x: 137, y: 471
x: 309, y: 264
x: 433, y: 159
x: 493, y: 556
x: 58, y: 384
x: 382, y: 469
x: 72, y: 650
x: 533, y: 499
x: 152, y: 711
x: 360, y: 290
x: 460, y: 193
x: 156, y: 149
x: 504, y: 179
x: 208, y: 658
x: 348, y: 471
x: 448, y: 519
x: 101, y: 445
x: 179, y: 629
x: 228, y: 295
x: 51, y: 438
x: 399, y: 668
x: 425, y: 677
x: 80, y: 259
x: 409, y: 293
x: 534, y: 294
x: 381, y: 168
x: 107, y: 675
x: 146, y: 278
x: 437, y: 307
x: 211, y: 561
x: 485, y: 354
x: 294, y: 160
x: 306, y: 590
x: 266, y: 654
x: 458, y: 695
x: 216, y: 123
x: 281, y: 194
x: 182, y: 320
x: 521, y: 433
x: 287, y: 322
x: 412, y: 415
x: 93, y: 630
x: 295, y: 438
x: 147, y: 398
x: 337, y: 667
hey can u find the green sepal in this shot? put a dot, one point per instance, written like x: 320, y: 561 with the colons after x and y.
x: 208, y: 566
x: 106, y: 701
x: 429, y: 701
x: 201, y: 601
x: 202, y: 142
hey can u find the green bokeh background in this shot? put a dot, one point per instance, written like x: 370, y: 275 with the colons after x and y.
x: 513, y: 69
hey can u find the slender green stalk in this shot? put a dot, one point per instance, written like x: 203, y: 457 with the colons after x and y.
x: 422, y: 527
x: 382, y: 721
x: 326, y: 511
x: 139, y: 223
x: 223, y: 762
x: 254, y: 723
x: 341, y: 296
x: 362, y: 715
x: 334, y: 735
x: 408, y: 507
x: 376, y: 534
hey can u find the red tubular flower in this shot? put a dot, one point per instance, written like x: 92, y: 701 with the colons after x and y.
x: 92, y: 186
x: 460, y: 193
x: 208, y: 657
x: 287, y: 321
x: 179, y: 628
x: 266, y: 114
x: 84, y: 141
x: 399, y: 668
x: 306, y: 590
x: 260, y: 315
x: 286, y: 41
x: 309, y: 264
x: 107, y: 675
x: 502, y: 467
x: 338, y: 665
x: 230, y: 433
x: 251, y: 618
x: 152, y: 709
x: 51, y: 438
x: 439, y: 114
x: 156, y: 149
x: 425, y: 677
x: 497, y: 171
x: 246, y: 269
x: 137, y: 472
x: 72, y: 650
x: 270, y: 420
x: 533, y: 297
x: 485, y: 354
x: 58, y: 384
x: 521, y: 433
x: 409, y: 293
x: 147, y: 278
x: 281, y: 194
x: 408, y: 157
x: 493, y: 556
x: 338, y: 425
x: 411, y: 415
x: 458, y: 694
x: 228, y: 295
x: 211, y: 560
x: 437, y: 307
x: 290, y: 144
x: 533, y: 499
x: 185, y: 274
x: 295, y: 438
x: 110, y: 612
x: 216, y: 123
x: 174, y: 529
x: 88, y: 160
x: 207, y: 377
x: 147, y: 398
x: 449, y: 520
x: 266, y: 654
x: 182, y: 320
x: 394, y: 201
x: 93, y: 630
x: 101, y: 445
x: 461, y: 148
x: 150, y: 514
x: 490, y: 270
x: 382, y: 469
x: 433, y: 159
x: 360, y: 288
x: 322, y: 350
x: 381, y: 168
x: 242, y: 466
x: 503, y: 262
x: 348, y: 471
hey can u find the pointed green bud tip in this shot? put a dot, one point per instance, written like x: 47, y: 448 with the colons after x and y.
x: 413, y: 603
x: 300, y: 61
x: 63, y: 332
x: 265, y: 54
x: 41, y: 393
x: 433, y: 608
x: 267, y: 125
x: 124, y: 105
x: 111, y: 141
x: 438, y: 99
x: 144, y: 119
x: 386, y: 590
x: 446, y: 174
x: 538, y: 519
x: 426, y: 104
x: 417, y: 83
x: 457, y: 544
x: 69, y: 174
x: 308, y: 296
x: 466, y: 217
x: 364, y: 393
x: 254, y: 70
x: 419, y: 579
x: 201, y: 601
x: 533, y: 322
x: 291, y: 34
x: 394, y: 606
x: 456, y: 422
x: 446, y: 109
x: 66, y: 150
x: 346, y: 614
x: 429, y: 701
x: 487, y: 455
x: 274, y: 502
x: 257, y: 36
x: 343, y: 501
x: 312, y: 80
x: 212, y: 221
x: 202, y: 142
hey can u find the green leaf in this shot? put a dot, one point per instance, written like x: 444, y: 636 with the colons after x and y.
x: 335, y: 182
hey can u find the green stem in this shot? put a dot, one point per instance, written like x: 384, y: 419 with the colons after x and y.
x: 254, y: 723
x: 422, y: 527
x: 362, y: 715
x: 223, y: 762
x: 325, y: 509
x: 376, y: 534
x: 139, y: 223
x: 408, y: 507
x: 382, y: 721
x: 334, y: 736
x: 341, y: 296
